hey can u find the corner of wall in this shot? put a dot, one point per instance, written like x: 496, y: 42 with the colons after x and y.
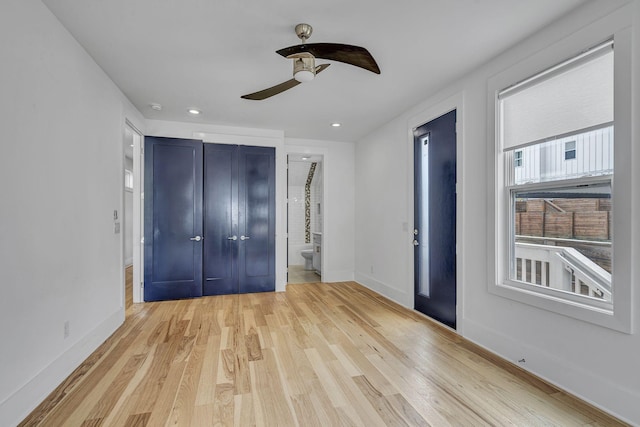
x: 18, y: 406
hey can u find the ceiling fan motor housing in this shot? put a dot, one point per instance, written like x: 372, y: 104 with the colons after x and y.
x: 304, y: 69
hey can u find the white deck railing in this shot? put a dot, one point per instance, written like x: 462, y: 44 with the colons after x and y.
x: 562, y: 268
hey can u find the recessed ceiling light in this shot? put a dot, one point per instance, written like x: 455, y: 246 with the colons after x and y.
x: 336, y: 125
x: 194, y: 111
x: 156, y: 107
x: 306, y: 158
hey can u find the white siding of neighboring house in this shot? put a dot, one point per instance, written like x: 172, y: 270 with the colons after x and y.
x: 546, y: 161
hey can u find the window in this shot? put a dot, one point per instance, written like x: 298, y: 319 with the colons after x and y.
x: 569, y: 150
x: 559, y: 235
x: 517, y: 158
x: 128, y: 179
x: 556, y: 243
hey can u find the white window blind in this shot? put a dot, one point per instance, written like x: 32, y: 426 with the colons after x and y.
x: 576, y: 95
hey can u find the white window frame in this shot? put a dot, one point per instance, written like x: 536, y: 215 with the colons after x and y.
x: 618, y: 314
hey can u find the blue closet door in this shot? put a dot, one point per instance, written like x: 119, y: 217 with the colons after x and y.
x: 173, y: 219
x: 209, y: 219
x: 220, y: 219
x: 256, y: 219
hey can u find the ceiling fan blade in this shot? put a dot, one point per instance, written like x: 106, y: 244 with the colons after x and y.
x: 321, y: 67
x: 274, y: 90
x: 353, y: 55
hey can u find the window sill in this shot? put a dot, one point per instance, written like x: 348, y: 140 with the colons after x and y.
x: 596, y: 312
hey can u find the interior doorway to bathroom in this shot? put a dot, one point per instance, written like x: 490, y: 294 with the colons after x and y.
x: 304, y: 218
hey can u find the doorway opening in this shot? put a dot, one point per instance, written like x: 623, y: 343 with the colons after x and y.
x: 305, y: 205
x: 131, y: 215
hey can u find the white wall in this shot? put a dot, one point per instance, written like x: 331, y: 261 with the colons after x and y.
x: 62, y: 123
x: 338, y: 213
x: 598, y: 364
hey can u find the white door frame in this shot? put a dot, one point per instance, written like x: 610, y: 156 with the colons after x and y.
x: 138, y: 164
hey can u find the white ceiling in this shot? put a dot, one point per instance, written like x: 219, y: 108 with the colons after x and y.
x: 207, y: 53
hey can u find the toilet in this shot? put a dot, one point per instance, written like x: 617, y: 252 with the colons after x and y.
x: 307, y: 254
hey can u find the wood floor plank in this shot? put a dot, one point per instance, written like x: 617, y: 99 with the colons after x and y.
x: 224, y: 405
x: 185, y: 400
x: 110, y: 397
x: 316, y: 355
x: 209, y: 372
x: 138, y: 420
x: 244, y: 415
x: 365, y: 413
x: 125, y: 406
x: 380, y: 403
x: 275, y: 406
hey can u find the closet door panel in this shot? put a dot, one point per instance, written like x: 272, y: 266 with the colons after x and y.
x: 256, y: 255
x: 173, y: 219
x: 220, y: 214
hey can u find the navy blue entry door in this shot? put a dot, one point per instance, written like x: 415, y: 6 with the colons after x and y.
x: 435, y: 219
x: 236, y: 218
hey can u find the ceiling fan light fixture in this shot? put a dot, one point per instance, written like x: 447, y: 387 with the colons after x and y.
x: 304, y: 69
x: 304, y: 76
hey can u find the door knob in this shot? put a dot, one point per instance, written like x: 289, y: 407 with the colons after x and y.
x: 196, y: 239
x: 415, y: 243
x: 244, y: 237
x: 234, y: 237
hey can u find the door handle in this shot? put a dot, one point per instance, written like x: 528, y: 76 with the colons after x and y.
x: 196, y: 239
x: 234, y: 237
x: 415, y: 242
x: 244, y: 237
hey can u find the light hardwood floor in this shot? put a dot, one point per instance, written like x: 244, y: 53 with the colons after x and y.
x: 315, y: 355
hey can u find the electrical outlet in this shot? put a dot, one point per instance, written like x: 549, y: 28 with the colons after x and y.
x: 66, y: 329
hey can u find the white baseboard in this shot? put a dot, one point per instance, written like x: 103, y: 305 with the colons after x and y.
x: 20, y: 404
x: 614, y: 399
x: 383, y: 289
x: 332, y: 276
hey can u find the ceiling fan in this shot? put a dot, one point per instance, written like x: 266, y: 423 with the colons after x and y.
x: 304, y: 66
